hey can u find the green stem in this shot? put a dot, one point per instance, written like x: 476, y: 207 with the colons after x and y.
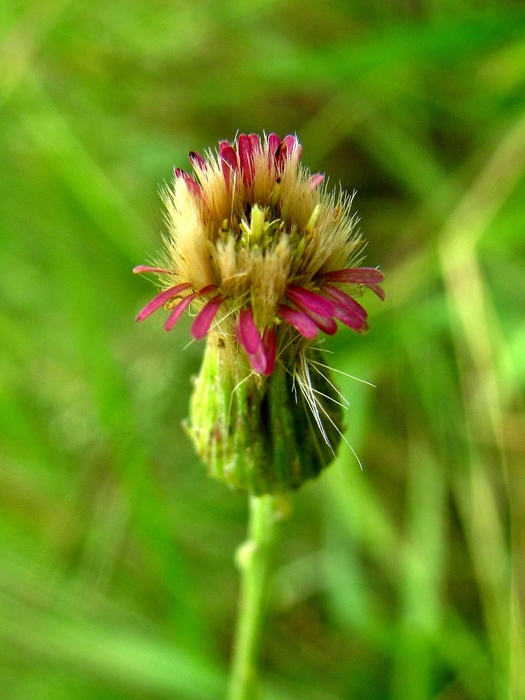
x: 253, y: 560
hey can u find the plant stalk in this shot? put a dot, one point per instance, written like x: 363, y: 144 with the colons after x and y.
x: 254, y: 562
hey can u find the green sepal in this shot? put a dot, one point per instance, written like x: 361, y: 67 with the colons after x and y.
x: 258, y: 433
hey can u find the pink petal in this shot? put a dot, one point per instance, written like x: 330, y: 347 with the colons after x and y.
x: 256, y: 143
x: 327, y: 325
x: 201, y: 324
x: 268, y: 341
x: 258, y: 360
x: 273, y: 144
x: 248, y: 333
x: 310, y: 301
x: 353, y: 321
x: 316, y: 180
x: 290, y: 145
x: 193, y: 187
x: 246, y: 157
x: 355, y: 275
x: 207, y: 289
x: 160, y: 300
x: 346, y: 301
x: 280, y: 155
x: 248, y: 336
x: 178, y: 311
x: 146, y: 268
x: 377, y: 290
x: 197, y: 160
x: 229, y: 161
x: 297, y: 319
x: 347, y: 309
x: 238, y: 333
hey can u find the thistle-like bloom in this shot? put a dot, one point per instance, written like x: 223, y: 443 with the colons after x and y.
x: 257, y: 244
x: 266, y: 256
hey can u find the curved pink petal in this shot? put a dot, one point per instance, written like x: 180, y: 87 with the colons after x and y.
x: 246, y: 158
x: 193, y: 187
x: 201, y: 324
x: 352, y: 320
x: 280, y: 155
x: 377, y: 290
x: 197, y: 160
x: 248, y: 336
x: 368, y: 276
x: 205, y: 290
x: 291, y: 145
x: 255, y: 140
x: 316, y: 180
x: 327, y: 325
x: 299, y: 320
x: 273, y: 144
x: 347, y: 310
x: 346, y: 301
x: 229, y: 160
x: 355, y: 275
x: 258, y: 360
x: 248, y: 333
x: 160, y: 300
x: 146, y: 268
x: 178, y: 311
x: 311, y: 301
x: 268, y: 341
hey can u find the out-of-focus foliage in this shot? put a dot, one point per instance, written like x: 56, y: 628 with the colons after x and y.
x: 405, y: 580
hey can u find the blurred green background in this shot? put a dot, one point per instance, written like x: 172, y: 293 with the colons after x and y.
x: 405, y: 580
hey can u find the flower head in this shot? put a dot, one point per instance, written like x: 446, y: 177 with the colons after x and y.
x: 259, y: 247
x: 268, y: 259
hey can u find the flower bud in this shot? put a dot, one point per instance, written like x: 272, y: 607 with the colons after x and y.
x: 259, y: 433
x: 266, y: 258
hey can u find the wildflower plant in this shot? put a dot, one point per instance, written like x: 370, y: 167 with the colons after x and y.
x: 268, y: 259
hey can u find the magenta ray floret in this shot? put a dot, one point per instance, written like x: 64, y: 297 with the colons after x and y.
x: 160, y: 300
x: 273, y: 144
x: 367, y: 276
x: 291, y: 145
x: 350, y: 319
x: 270, y: 350
x: 197, y: 160
x: 315, y: 180
x: 356, y: 275
x: 204, y: 318
x: 190, y: 182
x: 255, y: 140
x: 246, y: 158
x: 246, y: 237
x: 178, y: 311
x: 347, y: 310
x: 229, y: 161
x: 248, y: 333
x: 325, y: 323
x: 297, y: 319
x: 310, y: 301
x: 147, y: 268
x: 248, y: 336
